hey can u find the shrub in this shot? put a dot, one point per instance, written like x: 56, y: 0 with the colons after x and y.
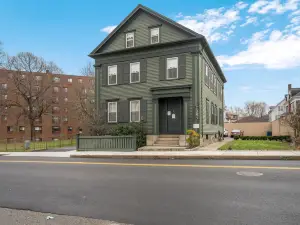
x: 270, y: 138
x: 236, y: 137
x: 136, y: 129
x: 194, y: 138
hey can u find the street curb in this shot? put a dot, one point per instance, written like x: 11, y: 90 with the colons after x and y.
x: 228, y: 157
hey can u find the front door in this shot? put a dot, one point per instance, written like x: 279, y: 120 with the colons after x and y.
x: 170, y: 116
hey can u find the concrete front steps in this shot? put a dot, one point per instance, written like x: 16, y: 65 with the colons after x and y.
x: 164, y: 143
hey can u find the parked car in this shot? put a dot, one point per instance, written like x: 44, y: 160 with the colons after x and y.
x: 225, y: 132
x: 236, y: 133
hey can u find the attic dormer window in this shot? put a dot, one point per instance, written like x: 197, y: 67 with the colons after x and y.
x: 154, y: 32
x: 130, y: 40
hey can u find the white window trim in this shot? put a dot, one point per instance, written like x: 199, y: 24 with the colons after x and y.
x: 126, y: 39
x: 139, y: 72
x: 139, y: 111
x: 167, y: 77
x: 109, y: 112
x: 155, y: 28
x: 109, y: 75
x: 207, y: 75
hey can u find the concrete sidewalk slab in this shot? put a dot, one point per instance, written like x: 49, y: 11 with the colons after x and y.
x: 259, y: 155
x: 40, y: 154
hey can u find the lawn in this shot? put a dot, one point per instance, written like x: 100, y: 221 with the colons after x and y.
x: 38, y: 145
x: 256, y: 145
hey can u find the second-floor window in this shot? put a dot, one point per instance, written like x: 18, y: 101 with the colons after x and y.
x: 112, y: 112
x: 134, y: 72
x: 130, y: 40
x: 112, y: 75
x: 4, y: 86
x: 172, y: 68
x: 154, y: 32
x: 206, y: 79
x: 55, y: 89
x: 69, y: 80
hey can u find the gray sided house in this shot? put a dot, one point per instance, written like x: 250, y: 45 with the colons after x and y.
x: 151, y: 69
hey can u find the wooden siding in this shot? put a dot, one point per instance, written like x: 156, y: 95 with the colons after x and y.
x: 142, y: 90
x: 140, y: 24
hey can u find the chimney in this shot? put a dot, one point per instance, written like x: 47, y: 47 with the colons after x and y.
x: 47, y: 71
x: 289, y: 87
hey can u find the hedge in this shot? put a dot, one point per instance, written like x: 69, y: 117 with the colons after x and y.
x: 270, y: 138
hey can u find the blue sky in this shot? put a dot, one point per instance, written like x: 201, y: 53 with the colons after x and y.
x: 257, y: 43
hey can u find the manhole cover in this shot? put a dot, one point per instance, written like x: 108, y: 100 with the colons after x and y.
x: 249, y: 174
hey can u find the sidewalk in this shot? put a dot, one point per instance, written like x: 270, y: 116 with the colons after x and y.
x: 258, y: 155
x: 39, y: 154
x: 215, y: 146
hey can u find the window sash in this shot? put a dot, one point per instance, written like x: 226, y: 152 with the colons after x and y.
x: 154, y: 33
x: 207, y: 111
x: 112, y: 75
x: 135, y: 111
x: 112, y: 108
x: 134, y: 72
x: 129, y: 40
x: 206, y: 75
x: 172, y: 68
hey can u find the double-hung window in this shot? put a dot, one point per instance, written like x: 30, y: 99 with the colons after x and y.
x: 135, y: 111
x: 212, y: 78
x: 130, y: 40
x: 134, y: 72
x: 112, y: 75
x: 172, y: 68
x: 212, y: 113
x: 154, y: 33
x: 112, y: 112
x: 215, y: 84
x: 206, y: 76
x: 207, y: 111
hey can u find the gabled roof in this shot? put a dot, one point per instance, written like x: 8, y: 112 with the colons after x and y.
x: 151, y: 12
x: 167, y: 20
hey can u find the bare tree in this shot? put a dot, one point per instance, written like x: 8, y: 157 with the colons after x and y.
x: 88, y: 70
x: 292, y: 120
x: 2, y: 56
x: 256, y: 109
x: 51, y: 67
x: 31, y: 92
x: 236, y: 110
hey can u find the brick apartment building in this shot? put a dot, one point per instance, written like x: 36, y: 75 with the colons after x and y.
x: 61, y: 122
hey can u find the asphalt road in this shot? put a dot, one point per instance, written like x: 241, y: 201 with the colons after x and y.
x: 162, y: 192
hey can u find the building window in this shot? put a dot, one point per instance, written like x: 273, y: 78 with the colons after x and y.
x: 4, y: 86
x: 212, y: 78
x: 56, y: 79
x: 66, y: 110
x: 38, y: 129
x: 207, y: 111
x: 55, y: 119
x: 112, y: 112
x: 172, y: 68
x: 38, y: 78
x: 36, y: 88
x: 10, y: 129
x: 4, y: 118
x: 112, y: 75
x: 66, y: 99
x: 55, y: 129
x: 79, y: 81
x: 216, y: 114
x: 69, y: 80
x: 135, y: 110
x: 206, y: 76
x: 154, y: 32
x: 21, y: 128
x: 55, y: 89
x: 219, y: 89
x: 134, y: 72
x: 212, y: 113
x: 55, y: 100
x: 4, y: 97
x: 221, y: 117
x: 65, y: 89
x: 65, y: 119
x: 215, y: 84
x: 23, y: 76
x: 130, y: 40
x: 55, y: 109
x: 70, y: 129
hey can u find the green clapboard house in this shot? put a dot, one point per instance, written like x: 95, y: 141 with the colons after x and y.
x: 153, y: 70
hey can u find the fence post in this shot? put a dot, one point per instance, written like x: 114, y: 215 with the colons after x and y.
x: 77, y: 141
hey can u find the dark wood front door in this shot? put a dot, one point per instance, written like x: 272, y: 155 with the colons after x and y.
x: 170, y: 116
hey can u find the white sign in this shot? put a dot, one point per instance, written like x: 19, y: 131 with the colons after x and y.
x: 169, y: 113
x: 173, y: 116
x: 196, y: 125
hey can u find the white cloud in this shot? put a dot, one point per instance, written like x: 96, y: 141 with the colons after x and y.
x: 269, y: 52
x: 213, y: 23
x: 296, y: 13
x: 245, y: 88
x: 241, y: 5
x: 263, y: 6
x: 179, y: 15
x: 108, y: 29
x: 295, y: 20
x: 249, y: 20
x: 269, y: 24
